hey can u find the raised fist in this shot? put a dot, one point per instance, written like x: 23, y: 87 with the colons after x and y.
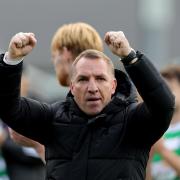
x: 20, y: 45
x: 117, y: 43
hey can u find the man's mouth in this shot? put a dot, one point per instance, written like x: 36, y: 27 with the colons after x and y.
x: 93, y: 99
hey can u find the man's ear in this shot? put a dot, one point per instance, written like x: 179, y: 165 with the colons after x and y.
x: 68, y: 54
x: 65, y: 50
x: 114, y: 85
x: 72, y: 88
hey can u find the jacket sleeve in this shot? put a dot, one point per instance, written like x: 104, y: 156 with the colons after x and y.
x: 26, y: 116
x: 150, y: 119
x: 14, y: 152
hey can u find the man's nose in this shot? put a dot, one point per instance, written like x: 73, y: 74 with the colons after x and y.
x: 92, y: 86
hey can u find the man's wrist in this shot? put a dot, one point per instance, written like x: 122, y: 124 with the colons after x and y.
x: 10, y: 61
x: 131, y: 58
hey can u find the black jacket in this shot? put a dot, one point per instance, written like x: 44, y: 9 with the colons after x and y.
x: 112, y: 145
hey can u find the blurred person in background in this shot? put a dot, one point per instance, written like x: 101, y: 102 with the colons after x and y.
x: 3, y: 167
x: 23, y: 163
x: 99, y: 131
x: 67, y: 43
x: 164, y: 163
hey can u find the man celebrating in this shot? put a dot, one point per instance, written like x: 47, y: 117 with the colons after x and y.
x: 100, y: 131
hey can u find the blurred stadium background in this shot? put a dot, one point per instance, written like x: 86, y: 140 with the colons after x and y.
x: 151, y: 26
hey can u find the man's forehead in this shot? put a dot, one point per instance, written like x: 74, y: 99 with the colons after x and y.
x: 91, y: 62
x: 89, y: 73
x: 96, y: 65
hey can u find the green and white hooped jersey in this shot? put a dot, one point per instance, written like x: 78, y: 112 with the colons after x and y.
x: 160, y: 169
x: 3, y: 172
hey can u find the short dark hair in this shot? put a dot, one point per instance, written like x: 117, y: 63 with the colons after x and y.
x: 93, y: 54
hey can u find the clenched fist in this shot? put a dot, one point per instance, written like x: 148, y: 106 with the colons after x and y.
x: 20, y: 45
x: 117, y: 43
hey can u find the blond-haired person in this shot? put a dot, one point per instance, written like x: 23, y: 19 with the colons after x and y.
x: 68, y: 42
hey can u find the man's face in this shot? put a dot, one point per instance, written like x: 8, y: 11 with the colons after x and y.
x: 92, y: 85
x: 62, y: 62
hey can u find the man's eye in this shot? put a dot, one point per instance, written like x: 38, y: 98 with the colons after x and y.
x: 82, y: 79
x: 101, y: 79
